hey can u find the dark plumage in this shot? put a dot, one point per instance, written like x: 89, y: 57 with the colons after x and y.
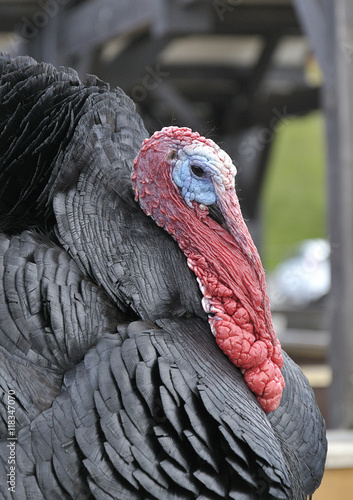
x: 121, y: 391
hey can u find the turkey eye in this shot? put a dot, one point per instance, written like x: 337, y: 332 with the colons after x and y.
x: 172, y: 154
x: 198, y: 171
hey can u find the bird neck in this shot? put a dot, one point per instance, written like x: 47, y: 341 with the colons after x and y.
x: 234, y: 293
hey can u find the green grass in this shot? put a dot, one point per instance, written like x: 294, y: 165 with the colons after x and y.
x: 294, y: 197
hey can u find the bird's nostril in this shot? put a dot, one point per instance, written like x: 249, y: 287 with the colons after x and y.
x: 172, y: 154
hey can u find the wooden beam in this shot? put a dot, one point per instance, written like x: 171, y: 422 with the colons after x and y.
x: 93, y: 23
x: 131, y: 65
x: 185, y: 111
x: 330, y: 27
x: 14, y: 14
x: 341, y: 222
x: 261, y: 67
x: 180, y: 17
x: 44, y: 45
x: 257, y: 18
x: 314, y: 17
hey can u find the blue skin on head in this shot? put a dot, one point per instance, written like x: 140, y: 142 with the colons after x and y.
x: 195, y: 186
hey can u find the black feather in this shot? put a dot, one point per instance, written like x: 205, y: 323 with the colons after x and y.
x: 120, y: 389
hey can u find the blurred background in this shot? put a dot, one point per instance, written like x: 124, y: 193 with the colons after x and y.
x: 270, y: 82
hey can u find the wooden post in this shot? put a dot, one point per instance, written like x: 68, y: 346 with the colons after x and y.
x: 330, y: 27
x: 341, y: 222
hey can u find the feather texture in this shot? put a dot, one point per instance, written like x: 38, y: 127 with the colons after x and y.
x: 121, y: 390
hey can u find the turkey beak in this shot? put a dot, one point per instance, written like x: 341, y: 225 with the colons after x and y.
x: 216, y: 214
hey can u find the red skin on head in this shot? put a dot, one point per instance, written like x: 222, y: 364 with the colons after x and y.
x: 227, y: 265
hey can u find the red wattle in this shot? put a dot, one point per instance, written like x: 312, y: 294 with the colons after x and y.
x: 227, y: 266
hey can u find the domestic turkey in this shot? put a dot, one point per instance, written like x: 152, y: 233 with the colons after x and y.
x: 109, y: 343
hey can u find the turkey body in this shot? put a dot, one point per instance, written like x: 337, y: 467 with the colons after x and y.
x: 120, y: 390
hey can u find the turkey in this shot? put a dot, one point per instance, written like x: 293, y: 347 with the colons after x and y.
x: 138, y: 358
